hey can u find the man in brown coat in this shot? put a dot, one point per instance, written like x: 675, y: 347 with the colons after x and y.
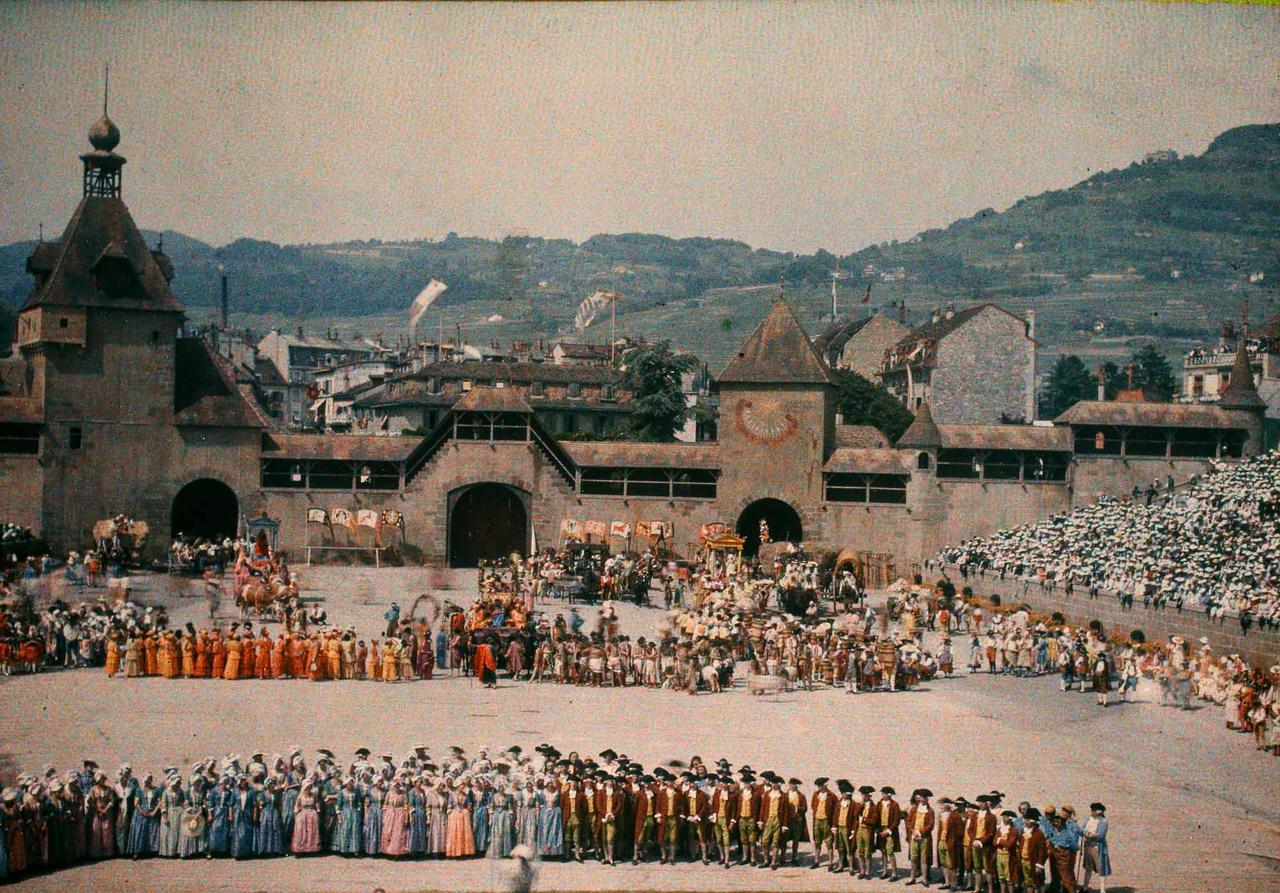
x: 646, y: 805
x: 890, y: 816
x: 669, y: 818
x: 822, y: 806
x: 797, y: 820
x: 950, y: 841
x: 722, y: 815
x: 697, y: 812
x: 920, y: 822
x: 573, y: 810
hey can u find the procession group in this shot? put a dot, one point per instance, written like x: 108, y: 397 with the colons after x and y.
x: 550, y: 805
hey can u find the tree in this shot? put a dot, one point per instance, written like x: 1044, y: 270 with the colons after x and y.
x: 1068, y: 383
x: 1113, y: 379
x: 863, y: 402
x: 1154, y: 374
x: 652, y: 375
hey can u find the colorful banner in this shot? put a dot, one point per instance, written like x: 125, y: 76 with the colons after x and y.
x: 317, y: 516
x: 619, y: 530
x: 596, y: 528
x: 570, y: 529
x: 642, y: 529
x: 659, y: 529
x: 368, y: 518
x: 393, y: 518
x: 340, y: 517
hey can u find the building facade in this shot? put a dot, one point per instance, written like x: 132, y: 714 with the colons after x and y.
x: 109, y: 409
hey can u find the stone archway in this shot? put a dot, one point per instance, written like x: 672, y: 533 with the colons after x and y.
x: 205, y: 508
x: 784, y: 524
x: 487, y: 520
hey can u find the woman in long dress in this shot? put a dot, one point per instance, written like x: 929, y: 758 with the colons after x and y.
x: 417, y: 818
x: 15, y: 840
x: 373, y: 818
x: 437, y: 820
x: 133, y: 657
x: 102, y: 820
x: 268, y: 834
x: 550, y: 822
x: 527, y: 819
x: 348, y: 837
x: 395, y: 822
x: 231, y: 663
x: 289, y: 792
x: 171, y: 805
x: 461, y: 841
x: 219, y: 807
x: 144, y: 827
x: 243, y: 812
x: 193, y: 830
x: 306, y: 823
x: 480, y: 815
x: 502, y: 828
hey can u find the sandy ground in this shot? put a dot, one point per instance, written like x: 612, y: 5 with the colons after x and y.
x: 1188, y: 801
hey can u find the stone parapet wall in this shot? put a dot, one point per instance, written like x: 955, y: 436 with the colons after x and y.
x: 1259, y: 647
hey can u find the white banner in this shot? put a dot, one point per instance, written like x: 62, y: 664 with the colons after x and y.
x: 435, y: 288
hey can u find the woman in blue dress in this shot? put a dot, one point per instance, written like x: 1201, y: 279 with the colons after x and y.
x: 527, y: 819
x: 290, y: 786
x: 373, y: 817
x: 172, y: 804
x: 502, y: 823
x: 144, y: 827
x: 550, y: 822
x: 243, y: 806
x: 193, y: 833
x: 417, y: 818
x: 348, y: 836
x: 268, y: 835
x: 219, y: 806
x: 480, y: 815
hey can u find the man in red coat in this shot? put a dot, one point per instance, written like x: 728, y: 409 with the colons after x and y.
x: 748, y: 820
x: 950, y: 842
x: 669, y: 818
x: 1033, y: 851
x: 890, y: 817
x: 646, y: 805
x: 822, y: 806
x: 697, y: 812
x: 722, y: 814
x: 865, y: 840
x: 920, y: 822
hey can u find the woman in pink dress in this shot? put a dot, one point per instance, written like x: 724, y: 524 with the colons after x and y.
x: 461, y: 840
x: 306, y: 824
x: 395, y: 822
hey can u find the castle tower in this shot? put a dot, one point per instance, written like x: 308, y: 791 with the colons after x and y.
x: 1241, y: 397
x: 776, y: 430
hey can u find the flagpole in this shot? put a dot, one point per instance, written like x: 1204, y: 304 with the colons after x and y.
x: 613, y: 326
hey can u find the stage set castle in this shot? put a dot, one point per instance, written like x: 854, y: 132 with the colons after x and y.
x: 108, y: 409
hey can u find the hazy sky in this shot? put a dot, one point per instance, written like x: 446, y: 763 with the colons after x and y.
x: 789, y: 126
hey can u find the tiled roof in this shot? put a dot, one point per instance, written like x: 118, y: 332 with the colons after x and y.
x: 628, y: 453
x: 205, y: 392
x: 1151, y: 415
x: 777, y: 352
x: 492, y: 400
x: 1005, y: 437
x: 835, y: 336
x: 868, y: 461
x: 860, y: 436
x: 101, y: 231
x: 350, y: 447
x: 922, y: 432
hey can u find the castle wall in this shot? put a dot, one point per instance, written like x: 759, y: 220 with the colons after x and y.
x: 982, y: 376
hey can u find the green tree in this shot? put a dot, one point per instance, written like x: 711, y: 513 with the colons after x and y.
x: 1154, y: 374
x: 652, y: 375
x: 863, y: 402
x: 1068, y: 383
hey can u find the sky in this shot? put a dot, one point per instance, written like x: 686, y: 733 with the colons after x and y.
x: 791, y: 126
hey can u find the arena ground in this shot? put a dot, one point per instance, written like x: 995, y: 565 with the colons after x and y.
x: 1193, y: 807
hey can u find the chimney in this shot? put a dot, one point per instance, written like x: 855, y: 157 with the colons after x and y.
x: 226, y: 306
x: 1102, y: 384
x: 1031, y: 324
x: 299, y: 331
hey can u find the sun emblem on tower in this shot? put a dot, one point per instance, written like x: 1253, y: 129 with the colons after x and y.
x: 764, y: 421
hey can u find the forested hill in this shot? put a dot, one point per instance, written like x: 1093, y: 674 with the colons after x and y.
x: 1160, y: 242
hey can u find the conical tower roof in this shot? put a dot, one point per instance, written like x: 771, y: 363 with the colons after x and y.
x: 777, y: 352
x: 1241, y: 392
x: 923, y: 433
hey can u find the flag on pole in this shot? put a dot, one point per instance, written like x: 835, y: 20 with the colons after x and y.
x: 317, y: 516
x: 589, y: 309
x: 435, y: 288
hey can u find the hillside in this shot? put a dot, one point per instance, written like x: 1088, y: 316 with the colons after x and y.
x: 1161, y: 249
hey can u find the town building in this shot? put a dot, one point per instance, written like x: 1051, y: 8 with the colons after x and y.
x: 859, y: 344
x: 107, y: 408
x: 972, y: 366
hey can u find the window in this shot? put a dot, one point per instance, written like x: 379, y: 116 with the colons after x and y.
x: 378, y: 476
x: 1002, y: 465
x: 283, y: 473
x: 1045, y: 466
x: 876, y: 489
x: 537, y: 389
x: 433, y: 385
x: 1194, y: 443
x: 466, y: 385
x: 331, y: 474
x: 20, y: 439
x: 575, y: 389
x: 922, y: 462
x: 660, y: 483
x: 75, y: 437
x: 607, y: 393
x: 491, y: 426
x: 1097, y: 440
x: 62, y: 322
x: 1146, y: 442
x: 959, y: 464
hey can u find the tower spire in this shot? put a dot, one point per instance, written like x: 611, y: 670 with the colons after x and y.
x: 106, y: 85
x: 102, y: 165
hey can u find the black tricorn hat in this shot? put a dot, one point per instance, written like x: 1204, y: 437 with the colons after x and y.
x: 921, y: 792
x: 793, y: 780
x: 821, y: 780
x: 888, y: 790
x: 1097, y: 807
x: 1032, y: 814
x: 844, y: 786
x: 866, y: 789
